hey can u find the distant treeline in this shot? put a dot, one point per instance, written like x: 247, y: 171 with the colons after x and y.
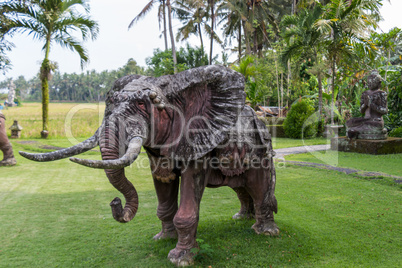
x: 87, y: 87
x: 92, y: 86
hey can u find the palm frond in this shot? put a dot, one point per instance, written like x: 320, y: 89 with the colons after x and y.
x: 74, y: 45
x: 143, y: 12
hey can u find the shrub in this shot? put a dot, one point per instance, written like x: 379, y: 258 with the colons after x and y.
x: 396, y: 132
x: 300, y: 121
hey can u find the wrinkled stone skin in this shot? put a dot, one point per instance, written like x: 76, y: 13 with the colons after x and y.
x: 217, y: 94
x: 5, y: 145
x: 373, y: 105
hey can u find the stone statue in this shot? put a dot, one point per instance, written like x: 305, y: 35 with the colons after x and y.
x: 373, y: 105
x: 11, y: 94
x: 197, y: 133
x: 5, y: 145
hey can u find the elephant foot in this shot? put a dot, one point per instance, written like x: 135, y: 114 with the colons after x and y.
x: 181, y: 257
x: 243, y: 215
x: 268, y: 228
x: 8, y: 162
x: 168, y: 232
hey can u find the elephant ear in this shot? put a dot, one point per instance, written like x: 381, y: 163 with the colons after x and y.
x: 205, y: 103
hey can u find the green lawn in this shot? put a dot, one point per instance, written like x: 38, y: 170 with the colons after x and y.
x: 390, y: 163
x: 58, y: 214
x: 278, y: 143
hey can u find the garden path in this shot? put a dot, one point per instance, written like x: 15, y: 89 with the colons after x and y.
x: 281, y: 153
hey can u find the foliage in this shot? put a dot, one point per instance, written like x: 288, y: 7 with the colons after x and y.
x: 396, y: 132
x: 300, y: 121
x: 161, y: 63
x: 204, y: 252
x: 393, y: 120
x: 52, y: 21
x: 246, y: 67
x: 5, y: 33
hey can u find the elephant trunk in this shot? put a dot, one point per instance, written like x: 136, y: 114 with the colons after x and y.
x: 109, y: 145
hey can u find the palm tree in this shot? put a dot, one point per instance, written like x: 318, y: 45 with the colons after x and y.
x: 211, y: 4
x: 343, y: 22
x: 388, y: 42
x: 161, y: 16
x: 304, y: 41
x: 168, y: 4
x: 53, y: 21
x: 232, y: 14
x: 193, y: 15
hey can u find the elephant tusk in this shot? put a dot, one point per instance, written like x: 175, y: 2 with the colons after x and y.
x: 79, y: 148
x: 127, y: 159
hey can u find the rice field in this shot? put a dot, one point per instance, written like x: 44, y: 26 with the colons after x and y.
x: 66, y: 120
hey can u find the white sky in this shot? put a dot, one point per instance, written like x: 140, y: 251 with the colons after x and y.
x: 115, y: 44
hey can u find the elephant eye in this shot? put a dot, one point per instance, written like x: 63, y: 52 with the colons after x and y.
x: 141, y: 103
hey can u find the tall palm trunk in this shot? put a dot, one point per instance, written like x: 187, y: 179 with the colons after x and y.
x: 200, y: 34
x: 212, y: 31
x: 239, y: 40
x: 319, y: 94
x: 164, y: 23
x: 333, y: 90
x: 44, y: 76
x: 277, y: 82
x: 171, y: 35
x: 288, y: 84
x: 255, y: 43
x: 386, y: 69
x: 317, y: 60
x: 248, y: 49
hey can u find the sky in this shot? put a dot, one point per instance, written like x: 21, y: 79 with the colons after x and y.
x: 116, y: 44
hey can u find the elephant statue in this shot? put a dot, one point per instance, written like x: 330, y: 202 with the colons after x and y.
x: 5, y: 145
x: 197, y: 133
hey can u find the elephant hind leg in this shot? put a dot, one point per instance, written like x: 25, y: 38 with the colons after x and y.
x: 246, y: 204
x: 258, y: 188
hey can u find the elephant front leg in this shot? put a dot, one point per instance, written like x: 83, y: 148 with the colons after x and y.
x: 193, y: 183
x: 167, y: 207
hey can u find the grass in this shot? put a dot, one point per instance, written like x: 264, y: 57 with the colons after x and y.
x: 390, y: 163
x: 65, y: 119
x: 57, y: 214
x: 278, y: 143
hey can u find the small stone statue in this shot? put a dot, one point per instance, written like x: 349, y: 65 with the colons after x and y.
x: 11, y: 94
x: 373, y: 105
x: 5, y: 145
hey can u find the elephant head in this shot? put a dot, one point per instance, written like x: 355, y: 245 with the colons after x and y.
x: 182, y: 116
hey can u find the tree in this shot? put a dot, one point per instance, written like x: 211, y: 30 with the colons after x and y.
x: 232, y: 14
x: 345, y: 22
x: 161, y: 63
x: 193, y: 14
x: 171, y: 35
x: 53, y: 21
x: 391, y: 45
x: 161, y: 16
x: 5, y: 45
x: 304, y: 41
